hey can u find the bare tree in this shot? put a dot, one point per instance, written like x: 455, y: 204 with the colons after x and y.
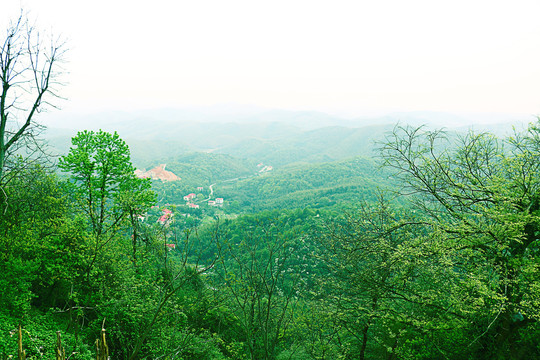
x: 30, y: 72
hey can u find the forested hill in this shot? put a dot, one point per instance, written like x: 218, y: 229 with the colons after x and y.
x: 294, y: 248
x: 308, y: 185
x: 279, y: 235
x: 320, y: 145
x: 273, y: 136
x: 275, y: 143
x: 207, y: 168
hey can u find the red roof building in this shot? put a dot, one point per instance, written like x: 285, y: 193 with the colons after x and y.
x: 167, y: 214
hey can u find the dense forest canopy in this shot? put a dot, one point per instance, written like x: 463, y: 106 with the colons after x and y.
x: 325, y: 244
x: 434, y: 255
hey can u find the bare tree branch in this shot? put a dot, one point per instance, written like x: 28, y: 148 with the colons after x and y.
x: 31, y: 75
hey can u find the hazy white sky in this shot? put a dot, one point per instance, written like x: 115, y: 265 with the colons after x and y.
x: 338, y: 56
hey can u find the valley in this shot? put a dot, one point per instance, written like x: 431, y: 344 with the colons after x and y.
x: 284, y: 180
x: 240, y: 240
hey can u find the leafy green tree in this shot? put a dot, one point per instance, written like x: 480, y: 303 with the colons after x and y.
x: 38, y: 242
x: 258, y: 270
x: 148, y: 305
x: 145, y: 300
x: 480, y: 197
x: 370, y: 255
x: 105, y: 187
x: 41, y: 259
x: 176, y: 282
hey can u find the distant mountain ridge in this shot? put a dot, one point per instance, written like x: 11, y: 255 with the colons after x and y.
x: 278, y: 137
x: 143, y: 120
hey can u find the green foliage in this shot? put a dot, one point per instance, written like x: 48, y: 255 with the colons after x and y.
x: 324, y: 266
x: 200, y: 170
x: 206, y: 168
x: 300, y: 186
x: 325, y: 144
x: 480, y: 200
x: 263, y: 267
x: 39, y: 242
x: 39, y: 338
x: 106, y: 188
x: 40, y: 252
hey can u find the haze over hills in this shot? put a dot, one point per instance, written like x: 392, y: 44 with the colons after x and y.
x: 231, y: 113
x: 277, y: 136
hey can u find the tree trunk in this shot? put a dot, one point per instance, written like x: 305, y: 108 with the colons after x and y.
x: 364, y: 342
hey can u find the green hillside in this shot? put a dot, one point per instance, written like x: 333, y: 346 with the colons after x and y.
x: 302, y: 185
x: 320, y: 145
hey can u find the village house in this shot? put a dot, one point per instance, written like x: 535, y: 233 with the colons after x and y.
x: 266, y: 168
x: 165, y: 217
x: 189, y: 197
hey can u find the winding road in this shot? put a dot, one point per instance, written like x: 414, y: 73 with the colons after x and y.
x: 224, y: 181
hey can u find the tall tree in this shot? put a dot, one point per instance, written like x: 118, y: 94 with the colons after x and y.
x: 30, y: 72
x: 367, y: 291
x: 105, y: 186
x: 481, y: 197
x: 40, y: 237
x: 261, y: 275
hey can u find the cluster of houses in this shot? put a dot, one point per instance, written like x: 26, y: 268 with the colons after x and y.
x: 264, y: 168
x: 217, y: 202
x: 190, y: 197
x: 165, y: 216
